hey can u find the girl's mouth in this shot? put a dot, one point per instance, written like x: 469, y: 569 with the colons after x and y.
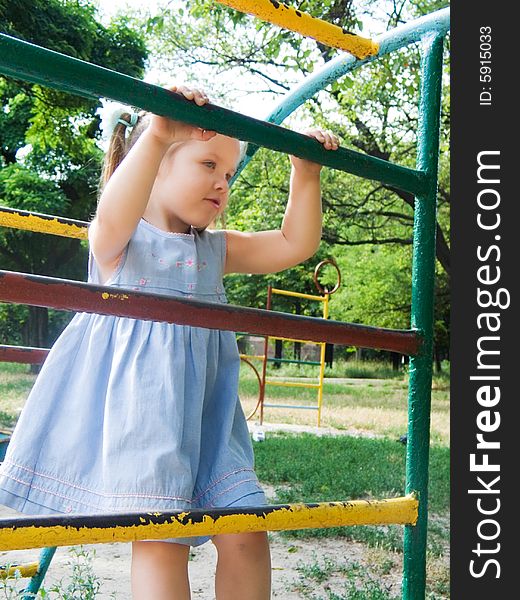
x: 214, y: 201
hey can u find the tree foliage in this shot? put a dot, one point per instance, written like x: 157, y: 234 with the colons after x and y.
x: 368, y: 226
x: 49, y: 153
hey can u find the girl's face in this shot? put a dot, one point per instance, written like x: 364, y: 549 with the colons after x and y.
x: 192, y: 185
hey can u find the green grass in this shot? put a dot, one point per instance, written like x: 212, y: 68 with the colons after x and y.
x: 312, y: 468
x: 308, y: 468
x: 373, y: 405
x: 15, y: 384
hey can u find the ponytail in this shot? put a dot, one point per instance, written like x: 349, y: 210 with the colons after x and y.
x: 126, y: 132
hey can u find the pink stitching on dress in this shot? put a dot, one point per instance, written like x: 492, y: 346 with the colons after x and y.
x: 212, y: 485
x: 85, y: 489
x: 231, y: 488
x: 41, y: 489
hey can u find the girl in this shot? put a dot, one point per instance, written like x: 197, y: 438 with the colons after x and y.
x: 141, y: 415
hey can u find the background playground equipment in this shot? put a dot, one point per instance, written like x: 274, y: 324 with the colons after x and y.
x: 324, y: 298
x: 32, y: 63
x: 287, y: 17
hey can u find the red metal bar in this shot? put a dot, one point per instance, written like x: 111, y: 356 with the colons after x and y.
x: 36, y: 290
x: 22, y: 354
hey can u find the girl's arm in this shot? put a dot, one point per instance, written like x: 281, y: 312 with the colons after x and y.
x: 300, y: 234
x: 125, y: 196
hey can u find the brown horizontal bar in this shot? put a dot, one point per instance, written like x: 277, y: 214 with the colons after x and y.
x: 64, y: 294
x: 23, y: 354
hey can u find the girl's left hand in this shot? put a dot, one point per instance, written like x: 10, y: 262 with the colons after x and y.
x: 330, y: 142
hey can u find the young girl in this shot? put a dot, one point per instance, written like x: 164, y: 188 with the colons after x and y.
x: 140, y: 415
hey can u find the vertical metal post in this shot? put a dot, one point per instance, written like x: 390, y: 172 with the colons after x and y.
x: 323, y: 345
x: 32, y: 589
x: 423, y: 276
x: 266, y: 354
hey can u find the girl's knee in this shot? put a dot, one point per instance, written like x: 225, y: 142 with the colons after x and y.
x: 160, y: 551
x: 251, y: 544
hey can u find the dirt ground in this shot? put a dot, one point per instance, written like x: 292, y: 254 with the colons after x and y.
x: 111, y: 562
x: 111, y: 565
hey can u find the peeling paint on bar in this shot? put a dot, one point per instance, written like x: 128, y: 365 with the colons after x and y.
x: 283, y: 15
x: 40, y: 223
x: 65, y: 530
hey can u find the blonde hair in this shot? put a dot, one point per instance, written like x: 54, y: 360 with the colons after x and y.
x: 121, y: 141
x: 124, y: 137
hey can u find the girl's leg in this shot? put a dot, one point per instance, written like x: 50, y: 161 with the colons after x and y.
x: 243, y: 566
x: 160, y: 571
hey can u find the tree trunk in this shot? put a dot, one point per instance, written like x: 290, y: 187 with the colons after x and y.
x: 278, y: 348
x: 438, y: 360
x: 329, y: 354
x: 36, y: 330
x: 396, y: 361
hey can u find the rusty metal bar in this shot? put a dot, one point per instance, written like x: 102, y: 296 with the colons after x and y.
x: 64, y: 294
x: 23, y: 354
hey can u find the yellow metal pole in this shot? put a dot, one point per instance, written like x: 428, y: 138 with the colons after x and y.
x: 19, y: 219
x: 27, y: 570
x: 292, y: 384
x: 285, y: 16
x: 296, y: 294
x: 69, y: 530
x: 326, y: 298
x: 275, y: 337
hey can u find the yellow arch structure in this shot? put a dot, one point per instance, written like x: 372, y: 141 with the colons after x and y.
x: 287, y: 17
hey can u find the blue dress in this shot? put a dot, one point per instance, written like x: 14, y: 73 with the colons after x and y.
x: 138, y: 415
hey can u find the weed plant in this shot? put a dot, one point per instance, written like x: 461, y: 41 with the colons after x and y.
x: 82, y: 584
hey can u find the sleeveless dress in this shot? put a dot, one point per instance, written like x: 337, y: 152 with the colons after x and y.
x: 131, y: 415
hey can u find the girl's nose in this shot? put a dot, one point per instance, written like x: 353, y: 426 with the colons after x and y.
x: 222, y: 184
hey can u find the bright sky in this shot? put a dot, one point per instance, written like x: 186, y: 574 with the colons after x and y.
x: 256, y: 106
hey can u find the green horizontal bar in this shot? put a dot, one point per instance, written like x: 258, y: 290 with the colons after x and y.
x: 297, y: 362
x: 33, y: 63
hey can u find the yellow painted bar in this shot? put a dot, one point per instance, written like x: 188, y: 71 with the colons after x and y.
x: 42, y: 223
x: 285, y: 16
x: 23, y: 534
x: 292, y: 384
x: 251, y: 356
x: 27, y: 570
x: 274, y: 337
x: 297, y: 294
x: 321, y: 377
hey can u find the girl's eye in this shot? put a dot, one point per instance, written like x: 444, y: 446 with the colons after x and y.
x: 211, y: 164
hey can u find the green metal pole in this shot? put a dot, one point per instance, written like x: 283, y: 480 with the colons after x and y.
x: 32, y: 589
x: 33, y: 63
x: 423, y: 276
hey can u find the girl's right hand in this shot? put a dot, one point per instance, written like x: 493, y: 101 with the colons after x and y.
x: 169, y: 131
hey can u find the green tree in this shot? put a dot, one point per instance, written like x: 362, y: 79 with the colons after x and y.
x: 49, y: 153
x: 374, y: 109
